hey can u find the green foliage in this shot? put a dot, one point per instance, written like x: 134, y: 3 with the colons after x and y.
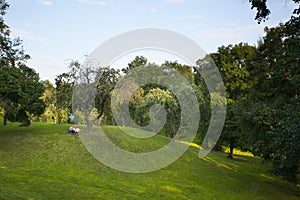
x: 170, y: 104
x: 139, y: 61
x: 90, y: 87
x: 233, y: 63
x: 263, y: 11
x: 23, y: 117
x: 203, y: 97
x: 20, y: 89
x: 184, y: 70
x: 49, y: 98
x: 63, y: 96
x: 107, y: 80
x: 157, y: 93
x: 22, y: 94
x: 11, y: 112
x: 272, y: 121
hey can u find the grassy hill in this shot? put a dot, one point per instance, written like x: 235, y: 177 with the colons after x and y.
x: 43, y: 162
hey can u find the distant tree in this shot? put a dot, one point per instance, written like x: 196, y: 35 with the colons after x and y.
x: 49, y: 98
x: 107, y: 79
x: 170, y: 104
x: 156, y: 91
x: 64, y: 89
x: 92, y: 91
x: 137, y: 107
x: 138, y: 61
x: 184, y: 70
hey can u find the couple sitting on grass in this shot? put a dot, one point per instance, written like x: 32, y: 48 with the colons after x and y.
x: 73, y: 129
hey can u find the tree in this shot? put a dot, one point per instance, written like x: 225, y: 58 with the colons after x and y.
x: 32, y: 91
x: 233, y: 63
x: 273, y: 120
x: 20, y: 85
x: 49, y: 99
x: 157, y: 82
x: 168, y: 102
x: 137, y: 62
x: 91, y: 87
x: 10, y: 90
x: 107, y: 78
x: 127, y: 95
x: 64, y: 88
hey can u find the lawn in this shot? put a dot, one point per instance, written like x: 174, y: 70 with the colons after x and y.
x: 44, y: 162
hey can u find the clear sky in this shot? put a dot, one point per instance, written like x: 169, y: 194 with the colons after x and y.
x: 55, y: 31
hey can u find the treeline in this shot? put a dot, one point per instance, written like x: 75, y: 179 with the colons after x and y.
x: 58, y: 98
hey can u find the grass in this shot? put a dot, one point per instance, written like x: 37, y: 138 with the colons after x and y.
x: 238, y: 152
x: 43, y: 162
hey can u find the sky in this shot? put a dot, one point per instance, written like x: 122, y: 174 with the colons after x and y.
x: 54, y: 32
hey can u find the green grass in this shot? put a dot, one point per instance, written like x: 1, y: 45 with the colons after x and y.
x: 43, y: 162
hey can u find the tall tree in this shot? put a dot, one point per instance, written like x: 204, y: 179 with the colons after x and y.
x: 20, y: 85
x: 273, y: 120
x: 233, y: 62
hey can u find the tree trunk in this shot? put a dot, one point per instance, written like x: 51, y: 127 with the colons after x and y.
x: 174, y: 133
x: 205, y: 144
x: 89, y: 126
x: 100, y: 121
x: 217, y: 146
x: 173, y: 137
x: 89, y: 123
x: 231, y: 150
x: 113, y: 122
x: 123, y: 121
x: 5, y: 118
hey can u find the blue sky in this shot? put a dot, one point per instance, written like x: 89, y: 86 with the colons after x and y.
x: 55, y: 31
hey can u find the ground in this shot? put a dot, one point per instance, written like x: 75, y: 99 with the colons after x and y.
x: 44, y: 162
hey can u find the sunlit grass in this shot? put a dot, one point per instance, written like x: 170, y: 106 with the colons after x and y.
x: 225, y: 149
x: 191, y: 144
x: 44, y: 162
x: 238, y: 152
